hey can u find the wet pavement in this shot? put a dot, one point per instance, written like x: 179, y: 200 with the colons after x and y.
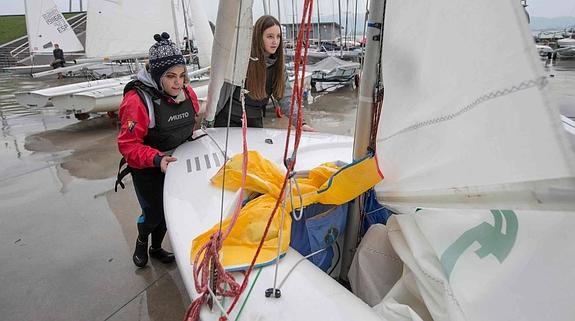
x: 66, y: 238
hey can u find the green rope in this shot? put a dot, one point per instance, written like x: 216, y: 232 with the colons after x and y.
x: 248, y: 295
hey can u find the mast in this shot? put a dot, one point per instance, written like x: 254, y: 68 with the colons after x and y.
x: 175, y: 22
x: 367, y: 92
x: 318, y: 27
x: 346, y: 19
x: 363, y: 35
x: 355, y: 22
x: 332, y: 24
x: 293, y: 21
x: 524, y: 4
x: 339, y: 15
x: 279, y: 12
x: 186, y: 27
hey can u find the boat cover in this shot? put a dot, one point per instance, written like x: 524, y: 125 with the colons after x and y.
x: 330, y: 63
x: 326, y: 184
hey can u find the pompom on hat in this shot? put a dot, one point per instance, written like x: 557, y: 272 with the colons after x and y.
x: 164, y: 54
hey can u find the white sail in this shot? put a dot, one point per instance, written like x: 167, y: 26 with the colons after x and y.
x: 477, y: 163
x: 196, y: 27
x: 202, y: 33
x: 46, y: 26
x: 461, y: 123
x: 229, y: 62
x: 126, y: 27
x: 473, y: 130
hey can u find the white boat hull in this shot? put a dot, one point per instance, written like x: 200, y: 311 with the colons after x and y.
x: 544, y: 50
x: 192, y: 206
x: 64, y: 70
x: 33, y: 99
x: 568, y: 52
x: 42, y: 97
x: 27, y: 70
x: 93, y: 101
x: 564, y: 43
x: 100, y: 100
x: 81, y: 104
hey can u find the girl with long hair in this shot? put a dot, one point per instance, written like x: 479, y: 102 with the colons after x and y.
x: 266, y: 78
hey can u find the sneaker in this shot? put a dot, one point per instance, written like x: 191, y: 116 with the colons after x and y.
x: 140, y: 253
x: 162, y: 255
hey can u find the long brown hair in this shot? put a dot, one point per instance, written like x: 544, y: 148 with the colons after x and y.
x: 256, y: 75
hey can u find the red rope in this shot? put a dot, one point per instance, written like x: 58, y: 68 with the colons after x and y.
x: 299, y: 81
x: 375, y: 116
x: 209, y: 252
x: 297, y: 96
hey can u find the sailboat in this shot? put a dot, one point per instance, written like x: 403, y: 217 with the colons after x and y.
x: 333, y: 70
x: 479, y: 173
x: 46, y: 26
x: 566, y: 47
x: 116, y: 28
x: 42, y: 97
x: 105, y: 95
x: 108, y: 98
x: 120, y: 30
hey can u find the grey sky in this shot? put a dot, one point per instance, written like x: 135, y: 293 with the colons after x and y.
x: 537, y: 8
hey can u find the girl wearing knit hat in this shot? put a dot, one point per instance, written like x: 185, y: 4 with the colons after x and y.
x: 266, y: 78
x: 157, y: 114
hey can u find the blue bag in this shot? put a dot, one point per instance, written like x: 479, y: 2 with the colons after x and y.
x: 375, y: 213
x: 318, y: 228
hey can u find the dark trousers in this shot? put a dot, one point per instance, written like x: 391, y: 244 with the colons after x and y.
x: 149, y: 186
x: 221, y: 120
x: 58, y: 63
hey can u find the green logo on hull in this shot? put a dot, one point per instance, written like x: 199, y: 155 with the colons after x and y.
x: 492, y: 238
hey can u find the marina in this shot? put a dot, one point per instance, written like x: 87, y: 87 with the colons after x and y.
x: 67, y: 237
x: 64, y: 171
x: 65, y: 231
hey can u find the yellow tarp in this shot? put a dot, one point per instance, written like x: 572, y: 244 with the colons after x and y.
x: 327, y: 184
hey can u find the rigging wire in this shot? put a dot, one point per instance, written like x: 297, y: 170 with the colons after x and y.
x: 208, y: 255
x: 378, y: 92
x: 338, y: 259
x: 363, y: 38
x: 207, y: 267
x: 300, y: 59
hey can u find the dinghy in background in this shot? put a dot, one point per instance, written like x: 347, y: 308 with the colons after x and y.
x: 333, y: 71
x: 46, y: 26
x: 42, y: 97
x: 105, y: 95
x: 64, y: 70
x: 91, y: 101
x: 102, y: 100
x: 27, y: 70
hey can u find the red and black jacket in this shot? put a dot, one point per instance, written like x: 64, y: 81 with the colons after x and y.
x: 144, y: 134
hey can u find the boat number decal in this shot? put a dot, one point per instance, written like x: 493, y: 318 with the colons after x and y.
x: 206, y: 161
x: 492, y: 238
x: 53, y: 17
